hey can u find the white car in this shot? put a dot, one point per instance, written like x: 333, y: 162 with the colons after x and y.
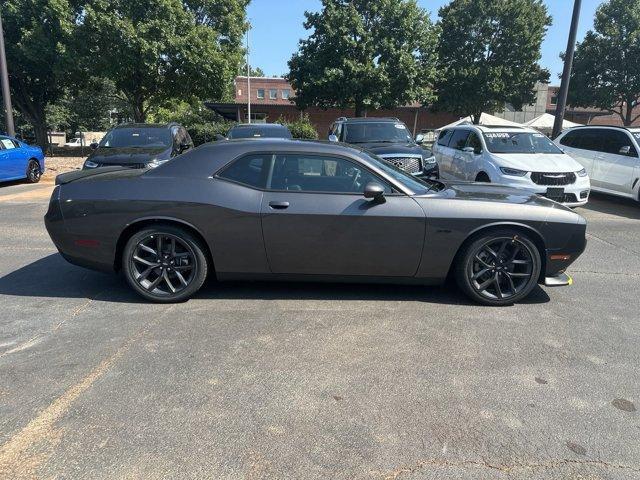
x: 610, y: 156
x: 519, y: 157
x: 74, y: 142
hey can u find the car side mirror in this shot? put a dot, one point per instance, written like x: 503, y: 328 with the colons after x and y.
x: 625, y: 150
x: 184, y: 147
x: 374, y: 191
x: 94, y: 145
x: 420, y: 139
x: 333, y: 138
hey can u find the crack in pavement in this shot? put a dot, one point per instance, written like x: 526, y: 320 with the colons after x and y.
x: 612, y: 244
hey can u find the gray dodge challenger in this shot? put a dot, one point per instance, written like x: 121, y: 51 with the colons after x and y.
x: 299, y: 210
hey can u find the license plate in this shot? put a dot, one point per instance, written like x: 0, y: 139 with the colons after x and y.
x: 555, y: 193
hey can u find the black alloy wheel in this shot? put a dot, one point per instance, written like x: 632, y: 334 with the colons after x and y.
x: 164, y: 264
x: 499, y: 268
x: 34, y: 173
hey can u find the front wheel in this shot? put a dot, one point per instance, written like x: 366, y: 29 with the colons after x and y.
x: 164, y: 264
x: 34, y: 173
x: 499, y: 268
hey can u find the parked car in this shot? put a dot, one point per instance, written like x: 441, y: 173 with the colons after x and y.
x: 20, y: 161
x: 522, y: 158
x: 259, y: 130
x: 609, y: 155
x: 74, y: 142
x: 387, y: 138
x: 139, y: 145
x: 294, y: 210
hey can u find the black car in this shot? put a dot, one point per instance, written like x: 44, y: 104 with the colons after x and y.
x: 298, y: 210
x: 389, y: 139
x: 259, y: 130
x: 139, y: 145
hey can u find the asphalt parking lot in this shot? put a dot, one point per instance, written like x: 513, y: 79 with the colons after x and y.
x: 315, y: 381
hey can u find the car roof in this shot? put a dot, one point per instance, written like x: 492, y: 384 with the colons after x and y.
x: 495, y: 128
x: 275, y: 126
x: 146, y: 125
x: 368, y: 120
x: 609, y: 127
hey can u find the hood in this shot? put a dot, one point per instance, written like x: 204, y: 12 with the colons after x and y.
x: 538, y: 162
x: 488, y: 192
x: 128, y: 155
x: 393, y: 148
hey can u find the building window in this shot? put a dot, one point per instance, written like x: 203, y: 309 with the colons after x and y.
x: 239, y: 92
x: 261, y: 93
x: 285, y: 94
x: 258, y: 118
x: 554, y: 100
x: 273, y: 94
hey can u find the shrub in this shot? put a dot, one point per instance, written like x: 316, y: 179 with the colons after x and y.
x: 301, y: 128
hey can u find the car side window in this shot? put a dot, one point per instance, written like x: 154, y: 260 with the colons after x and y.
x: 444, y: 137
x: 474, y: 142
x: 592, y: 140
x: 459, y: 139
x: 617, y: 143
x: 569, y: 139
x: 250, y: 170
x: 7, y: 143
x: 316, y: 173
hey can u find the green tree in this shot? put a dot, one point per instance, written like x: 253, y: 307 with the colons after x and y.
x: 365, y: 54
x: 488, y: 54
x: 155, y: 50
x: 606, y: 66
x: 37, y: 38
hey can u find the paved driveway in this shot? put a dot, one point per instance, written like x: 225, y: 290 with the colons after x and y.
x: 254, y: 380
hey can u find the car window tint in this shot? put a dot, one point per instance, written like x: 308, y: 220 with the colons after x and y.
x: 592, y: 139
x: 313, y: 173
x: 7, y: 143
x: 444, y: 137
x: 459, y: 139
x: 474, y: 142
x: 615, y: 140
x: 569, y: 139
x: 250, y: 170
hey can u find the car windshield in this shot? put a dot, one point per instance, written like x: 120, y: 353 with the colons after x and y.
x: 416, y: 185
x: 137, y: 138
x: 259, y: 132
x: 376, y: 132
x: 519, y: 142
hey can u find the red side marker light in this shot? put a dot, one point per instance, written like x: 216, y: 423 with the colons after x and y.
x: 87, y: 242
x: 560, y: 257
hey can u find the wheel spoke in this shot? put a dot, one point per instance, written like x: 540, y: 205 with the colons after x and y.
x: 483, y: 262
x: 502, y: 248
x: 146, y: 262
x: 519, y: 275
x: 165, y: 276
x: 145, y: 273
x: 181, y: 255
x: 483, y: 286
x: 479, y: 274
x: 491, y: 252
x: 181, y: 278
x: 173, y: 246
x: 152, y: 286
x: 498, y: 289
x: 511, y: 284
x: 147, y: 249
x: 519, y: 262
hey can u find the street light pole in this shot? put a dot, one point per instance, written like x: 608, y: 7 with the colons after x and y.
x: 248, y: 79
x: 4, y: 79
x: 566, y: 73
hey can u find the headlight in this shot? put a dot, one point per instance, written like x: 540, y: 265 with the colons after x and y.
x: 90, y: 164
x: 513, y: 172
x: 582, y: 173
x: 155, y: 163
x: 430, y: 160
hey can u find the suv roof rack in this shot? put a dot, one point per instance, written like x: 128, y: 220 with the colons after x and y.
x: 368, y: 119
x: 620, y: 127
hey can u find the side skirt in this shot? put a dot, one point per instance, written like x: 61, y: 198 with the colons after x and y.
x: 279, y: 277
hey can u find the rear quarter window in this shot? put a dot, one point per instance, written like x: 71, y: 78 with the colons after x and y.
x: 444, y: 137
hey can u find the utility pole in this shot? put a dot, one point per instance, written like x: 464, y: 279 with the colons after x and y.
x: 248, y: 79
x: 566, y: 73
x: 4, y: 79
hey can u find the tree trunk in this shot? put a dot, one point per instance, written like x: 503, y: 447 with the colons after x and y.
x: 628, y: 118
x: 360, y: 110
x: 42, y: 134
x: 475, y: 118
x: 139, y: 113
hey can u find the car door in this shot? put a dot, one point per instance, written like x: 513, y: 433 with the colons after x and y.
x: 614, y: 167
x: 316, y: 221
x: 13, y: 159
x: 471, y: 160
x: 586, y: 147
x: 444, y: 155
x: 459, y: 158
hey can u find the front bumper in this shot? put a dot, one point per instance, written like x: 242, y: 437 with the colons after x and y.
x: 560, y: 280
x: 575, y: 194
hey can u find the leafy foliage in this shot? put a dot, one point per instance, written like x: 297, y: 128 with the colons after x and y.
x: 301, y: 128
x: 606, y: 67
x: 202, y: 124
x: 488, y: 54
x: 154, y: 50
x: 365, y: 54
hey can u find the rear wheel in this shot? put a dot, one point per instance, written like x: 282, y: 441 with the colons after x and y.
x: 499, y: 268
x: 34, y: 173
x: 164, y: 264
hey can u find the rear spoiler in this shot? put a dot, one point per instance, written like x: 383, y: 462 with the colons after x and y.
x: 68, y: 177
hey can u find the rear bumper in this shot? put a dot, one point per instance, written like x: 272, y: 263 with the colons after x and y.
x: 560, y: 280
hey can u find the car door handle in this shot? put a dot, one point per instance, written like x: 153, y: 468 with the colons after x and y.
x: 279, y: 205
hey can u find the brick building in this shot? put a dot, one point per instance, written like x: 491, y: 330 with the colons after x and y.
x: 271, y: 100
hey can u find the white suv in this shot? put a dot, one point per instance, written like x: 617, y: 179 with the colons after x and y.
x: 610, y: 155
x: 518, y: 157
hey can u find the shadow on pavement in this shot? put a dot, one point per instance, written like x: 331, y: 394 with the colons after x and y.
x: 612, y: 205
x: 52, y: 276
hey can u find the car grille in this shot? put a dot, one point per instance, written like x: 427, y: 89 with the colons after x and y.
x: 127, y: 165
x: 408, y: 164
x: 550, y: 178
x: 565, y: 198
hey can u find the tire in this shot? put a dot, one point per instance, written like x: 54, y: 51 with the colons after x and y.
x: 515, y: 265
x: 173, y: 275
x: 33, y: 173
x: 483, y: 177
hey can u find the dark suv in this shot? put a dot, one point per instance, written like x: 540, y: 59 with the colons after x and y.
x: 389, y: 139
x: 139, y: 145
